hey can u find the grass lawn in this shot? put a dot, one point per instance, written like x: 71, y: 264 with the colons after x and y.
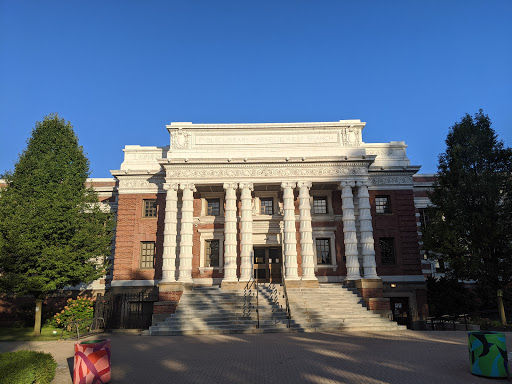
x: 27, y: 334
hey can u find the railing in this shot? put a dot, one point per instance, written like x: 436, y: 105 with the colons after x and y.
x: 252, y: 283
x: 487, y: 319
x: 283, y: 282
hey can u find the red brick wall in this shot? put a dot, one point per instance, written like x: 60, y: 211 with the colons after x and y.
x: 401, y: 225
x: 131, y: 229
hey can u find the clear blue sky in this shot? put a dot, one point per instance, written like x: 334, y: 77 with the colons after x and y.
x: 120, y: 70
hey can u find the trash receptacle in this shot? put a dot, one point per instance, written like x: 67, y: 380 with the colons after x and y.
x: 488, y: 354
x: 92, y: 362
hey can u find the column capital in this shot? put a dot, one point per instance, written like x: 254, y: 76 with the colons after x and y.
x: 188, y: 186
x: 363, y: 183
x: 173, y: 186
x: 288, y: 184
x: 250, y: 186
x: 347, y: 183
x: 307, y: 184
x: 230, y: 185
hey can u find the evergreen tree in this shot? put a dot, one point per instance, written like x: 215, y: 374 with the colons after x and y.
x: 53, y: 233
x: 470, y: 221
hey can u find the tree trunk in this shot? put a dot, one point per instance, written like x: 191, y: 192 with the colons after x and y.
x: 37, y: 323
x: 501, y: 308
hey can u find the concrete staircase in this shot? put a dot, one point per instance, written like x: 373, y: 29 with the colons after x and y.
x: 333, y: 307
x: 210, y: 310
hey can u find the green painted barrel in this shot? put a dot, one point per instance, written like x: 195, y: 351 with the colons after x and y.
x: 488, y: 354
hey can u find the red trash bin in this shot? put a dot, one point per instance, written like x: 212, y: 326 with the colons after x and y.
x: 92, y: 362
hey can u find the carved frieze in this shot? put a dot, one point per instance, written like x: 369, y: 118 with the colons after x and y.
x: 241, y: 172
x: 141, y: 184
x: 180, y: 140
x: 351, y: 137
x: 390, y: 180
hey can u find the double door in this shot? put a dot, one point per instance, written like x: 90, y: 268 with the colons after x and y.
x: 267, y: 264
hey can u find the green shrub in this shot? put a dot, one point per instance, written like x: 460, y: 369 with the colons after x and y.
x: 75, y: 310
x: 27, y: 367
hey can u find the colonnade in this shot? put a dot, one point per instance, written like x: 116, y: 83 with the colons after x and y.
x: 290, y: 240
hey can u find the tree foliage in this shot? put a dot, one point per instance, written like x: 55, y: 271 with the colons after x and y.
x: 470, y: 221
x: 53, y: 232
x: 459, y: 300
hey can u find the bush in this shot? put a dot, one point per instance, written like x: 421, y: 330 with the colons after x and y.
x: 79, y: 309
x: 27, y: 367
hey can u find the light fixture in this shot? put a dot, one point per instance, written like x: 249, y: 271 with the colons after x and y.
x: 393, y: 285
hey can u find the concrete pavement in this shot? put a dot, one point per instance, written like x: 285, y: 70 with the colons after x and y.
x: 402, y: 357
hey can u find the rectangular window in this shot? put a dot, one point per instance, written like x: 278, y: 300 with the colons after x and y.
x: 387, y: 250
x: 213, y: 207
x: 424, y: 218
x: 149, y: 208
x: 212, y: 253
x: 382, y: 204
x: 323, y: 251
x: 320, y: 204
x: 147, y: 254
x: 267, y: 206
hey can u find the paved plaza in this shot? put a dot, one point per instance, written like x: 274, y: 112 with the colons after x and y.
x: 405, y: 357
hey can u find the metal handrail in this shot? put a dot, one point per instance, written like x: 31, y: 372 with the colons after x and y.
x: 248, y: 287
x: 288, y: 312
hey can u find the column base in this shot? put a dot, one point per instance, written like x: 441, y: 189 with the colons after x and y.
x: 369, y: 287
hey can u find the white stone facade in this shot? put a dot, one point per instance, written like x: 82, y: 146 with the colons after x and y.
x: 244, y: 164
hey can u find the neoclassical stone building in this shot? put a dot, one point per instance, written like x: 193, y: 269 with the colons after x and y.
x: 309, y: 203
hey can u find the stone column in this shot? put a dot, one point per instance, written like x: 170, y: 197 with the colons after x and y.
x: 349, y: 231
x: 290, y: 239
x: 170, y: 231
x: 366, y: 231
x: 246, y: 268
x: 230, y: 233
x: 306, y: 232
x: 187, y: 212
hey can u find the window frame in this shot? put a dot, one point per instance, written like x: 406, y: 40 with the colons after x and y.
x: 142, y: 255
x: 206, y: 243
x: 205, y: 196
x: 145, y: 210
x: 210, y: 234
x: 321, y: 193
x: 318, y: 198
x: 267, y: 199
x: 321, y: 239
x: 212, y: 199
x: 325, y: 233
x: 386, y: 208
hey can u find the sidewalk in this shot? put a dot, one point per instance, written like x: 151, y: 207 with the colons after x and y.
x: 406, y: 357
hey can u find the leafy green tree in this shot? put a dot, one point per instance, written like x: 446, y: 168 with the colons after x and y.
x: 470, y: 221
x: 449, y: 297
x: 53, y: 232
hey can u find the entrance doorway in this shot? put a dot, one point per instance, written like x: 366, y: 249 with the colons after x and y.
x: 267, y: 264
x: 400, y: 309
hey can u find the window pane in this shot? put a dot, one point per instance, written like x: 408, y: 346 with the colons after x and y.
x: 387, y: 250
x: 382, y: 204
x: 213, y: 207
x: 212, y: 253
x: 267, y: 206
x: 319, y: 204
x: 149, y: 208
x: 323, y: 251
x: 147, y: 254
x: 424, y: 219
